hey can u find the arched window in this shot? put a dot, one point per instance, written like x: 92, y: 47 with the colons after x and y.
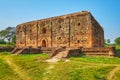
x: 43, y: 30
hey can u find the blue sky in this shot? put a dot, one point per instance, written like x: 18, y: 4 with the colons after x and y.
x: 106, y: 12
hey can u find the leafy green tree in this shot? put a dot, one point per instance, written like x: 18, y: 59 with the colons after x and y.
x: 117, y: 41
x: 14, y: 39
x: 3, y: 33
x: 108, y: 41
x: 9, y: 28
x: 8, y: 34
x: 2, y: 41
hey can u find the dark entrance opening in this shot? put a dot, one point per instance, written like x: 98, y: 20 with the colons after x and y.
x: 43, y: 43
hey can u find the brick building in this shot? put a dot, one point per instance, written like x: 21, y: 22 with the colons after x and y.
x: 73, y: 30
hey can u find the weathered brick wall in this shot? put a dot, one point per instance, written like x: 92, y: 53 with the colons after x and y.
x: 60, y: 32
x: 81, y: 30
x: 44, y: 33
x: 97, y: 34
x: 99, y: 51
x: 20, y: 36
x: 72, y: 30
x: 31, y: 34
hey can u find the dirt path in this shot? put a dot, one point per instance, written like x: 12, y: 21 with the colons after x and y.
x: 52, y: 60
x: 111, y: 74
x: 48, y: 70
x: 16, y: 69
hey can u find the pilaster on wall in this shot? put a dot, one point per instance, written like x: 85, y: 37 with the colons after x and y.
x: 37, y: 35
x: 51, y: 34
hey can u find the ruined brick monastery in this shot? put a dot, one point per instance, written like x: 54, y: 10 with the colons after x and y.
x: 76, y: 33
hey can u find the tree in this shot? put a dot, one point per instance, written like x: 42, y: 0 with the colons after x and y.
x: 117, y: 41
x: 14, y: 39
x: 2, y: 41
x: 8, y: 34
x: 108, y: 41
x: 3, y: 33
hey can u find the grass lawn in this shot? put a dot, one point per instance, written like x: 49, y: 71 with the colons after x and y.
x: 3, y: 45
x: 34, y: 67
x: 6, y: 72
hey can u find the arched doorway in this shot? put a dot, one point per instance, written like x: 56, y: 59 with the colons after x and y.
x: 43, y: 43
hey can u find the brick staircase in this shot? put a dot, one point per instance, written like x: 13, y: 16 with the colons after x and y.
x: 30, y: 50
x: 64, y: 52
x: 18, y: 50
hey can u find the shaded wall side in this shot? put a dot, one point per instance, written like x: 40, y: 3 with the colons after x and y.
x: 97, y: 34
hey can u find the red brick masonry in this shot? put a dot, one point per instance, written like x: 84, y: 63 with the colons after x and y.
x: 62, y: 34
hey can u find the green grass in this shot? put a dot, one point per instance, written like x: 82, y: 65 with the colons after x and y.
x: 6, y: 73
x: 118, y: 47
x: 117, y: 50
x: 32, y: 64
x: 3, y: 45
x: 104, y: 60
x: 117, y: 74
x: 34, y: 67
x: 78, y: 71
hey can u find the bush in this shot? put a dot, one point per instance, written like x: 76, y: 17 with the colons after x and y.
x: 118, y: 47
x: 2, y: 42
